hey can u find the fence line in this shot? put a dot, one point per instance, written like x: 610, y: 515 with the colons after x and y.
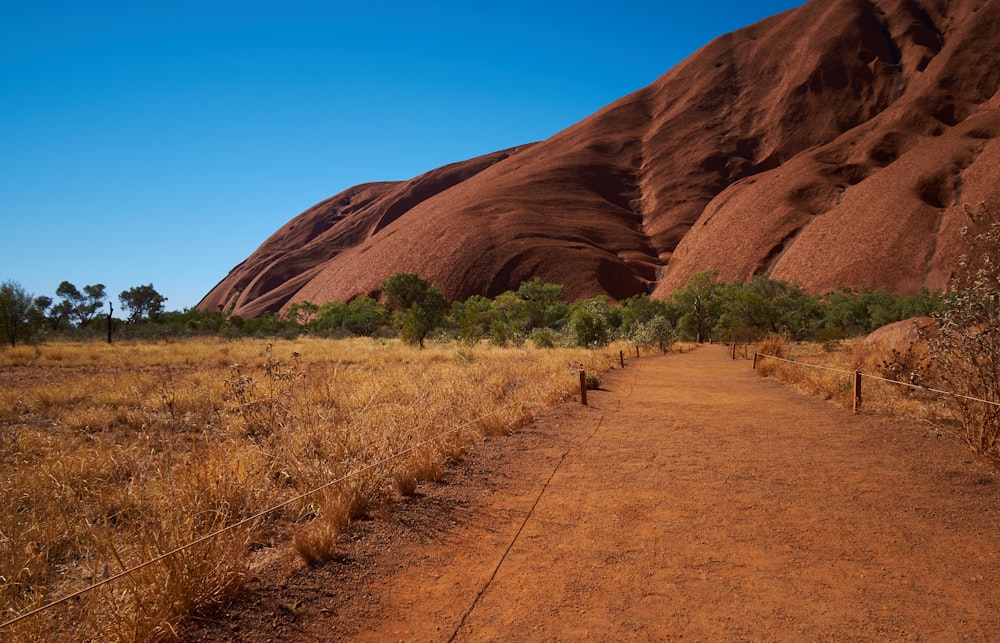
x: 792, y: 361
x: 244, y: 521
x: 883, y: 379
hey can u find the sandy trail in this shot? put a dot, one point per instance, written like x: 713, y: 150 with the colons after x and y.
x: 691, y: 499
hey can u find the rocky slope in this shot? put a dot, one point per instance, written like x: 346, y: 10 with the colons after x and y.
x: 832, y: 144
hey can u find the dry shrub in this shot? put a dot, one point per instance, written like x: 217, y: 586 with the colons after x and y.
x: 966, y: 343
x: 774, y: 345
x: 909, y: 365
x: 262, y: 397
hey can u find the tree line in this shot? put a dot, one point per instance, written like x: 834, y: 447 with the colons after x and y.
x: 705, y: 309
x: 23, y: 316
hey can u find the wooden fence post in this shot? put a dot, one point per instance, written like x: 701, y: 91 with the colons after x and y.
x: 857, y: 391
x: 583, y: 388
x: 755, y: 360
x: 621, y: 358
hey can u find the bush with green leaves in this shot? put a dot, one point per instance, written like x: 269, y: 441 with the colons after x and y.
x: 702, y: 302
x: 17, y: 311
x: 593, y: 322
x: 142, y: 303
x: 419, y: 307
x: 544, y: 338
x: 471, y: 319
x: 656, y: 332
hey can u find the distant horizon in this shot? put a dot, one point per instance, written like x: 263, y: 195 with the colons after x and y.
x: 163, y: 144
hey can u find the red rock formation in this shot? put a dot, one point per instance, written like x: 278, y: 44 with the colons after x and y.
x: 832, y: 144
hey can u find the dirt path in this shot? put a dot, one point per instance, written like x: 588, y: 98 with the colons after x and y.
x: 691, y: 500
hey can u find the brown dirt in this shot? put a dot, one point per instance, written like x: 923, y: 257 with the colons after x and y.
x: 691, y: 499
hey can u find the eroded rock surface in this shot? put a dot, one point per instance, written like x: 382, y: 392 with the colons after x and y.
x: 834, y: 144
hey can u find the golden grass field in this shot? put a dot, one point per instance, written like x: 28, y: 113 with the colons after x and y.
x: 112, y: 455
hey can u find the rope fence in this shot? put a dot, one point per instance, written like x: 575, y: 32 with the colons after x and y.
x: 858, y: 375
x: 248, y: 520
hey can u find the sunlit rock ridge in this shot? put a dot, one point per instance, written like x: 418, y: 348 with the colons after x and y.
x: 833, y: 144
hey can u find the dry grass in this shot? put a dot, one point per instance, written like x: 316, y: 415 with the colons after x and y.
x: 874, y: 362
x: 113, y: 455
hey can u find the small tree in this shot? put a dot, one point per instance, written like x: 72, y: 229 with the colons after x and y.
x: 544, y: 307
x: 966, y: 345
x: 404, y: 290
x: 639, y: 309
x: 509, y: 319
x: 701, y: 302
x: 364, y: 316
x: 301, y: 313
x: 592, y: 322
x: 16, y: 310
x: 49, y: 313
x: 82, y: 306
x: 419, y: 306
x: 656, y: 331
x: 472, y: 318
x: 329, y: 318
x: 142, y: 302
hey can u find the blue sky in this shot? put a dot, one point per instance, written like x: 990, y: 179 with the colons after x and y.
x: 163, y: 142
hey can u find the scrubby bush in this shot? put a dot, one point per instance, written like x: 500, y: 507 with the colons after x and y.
x: 543, y: 338
x: 966, y: 344
x: 655, y: 332
x: 592, y: 322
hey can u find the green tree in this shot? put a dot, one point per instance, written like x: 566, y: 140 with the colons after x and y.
x: 592, y: 322
x: 418, y: 305
x: 142, y: 303
x: 51, y: 313
x: 268, y: 325
x: 656, y: 331
x: 509, y: 319
x: 330, y: 318
x: 847, y: 309
x: 639, y: 309
x: 82, y: 306
x: 471, y: 318
x: 700, y: 301
x: 749, y: 310
x: 800, y: 313
x: 363, y: 316
x: 404, y: 290
x: 16, y: 310
x: 195, y: 321
x: 544, y: 305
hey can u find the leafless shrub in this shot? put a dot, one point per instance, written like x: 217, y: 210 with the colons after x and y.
x: 262, y: 400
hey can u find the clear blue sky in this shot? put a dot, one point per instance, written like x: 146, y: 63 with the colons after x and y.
x: 162, y: 142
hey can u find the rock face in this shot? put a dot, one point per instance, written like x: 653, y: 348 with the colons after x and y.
x: 834, y: 144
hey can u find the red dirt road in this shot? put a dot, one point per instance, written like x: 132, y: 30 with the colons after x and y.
x: 691, y: 500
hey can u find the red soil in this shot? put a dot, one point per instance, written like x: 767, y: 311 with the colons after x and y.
x: 690, y: 500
